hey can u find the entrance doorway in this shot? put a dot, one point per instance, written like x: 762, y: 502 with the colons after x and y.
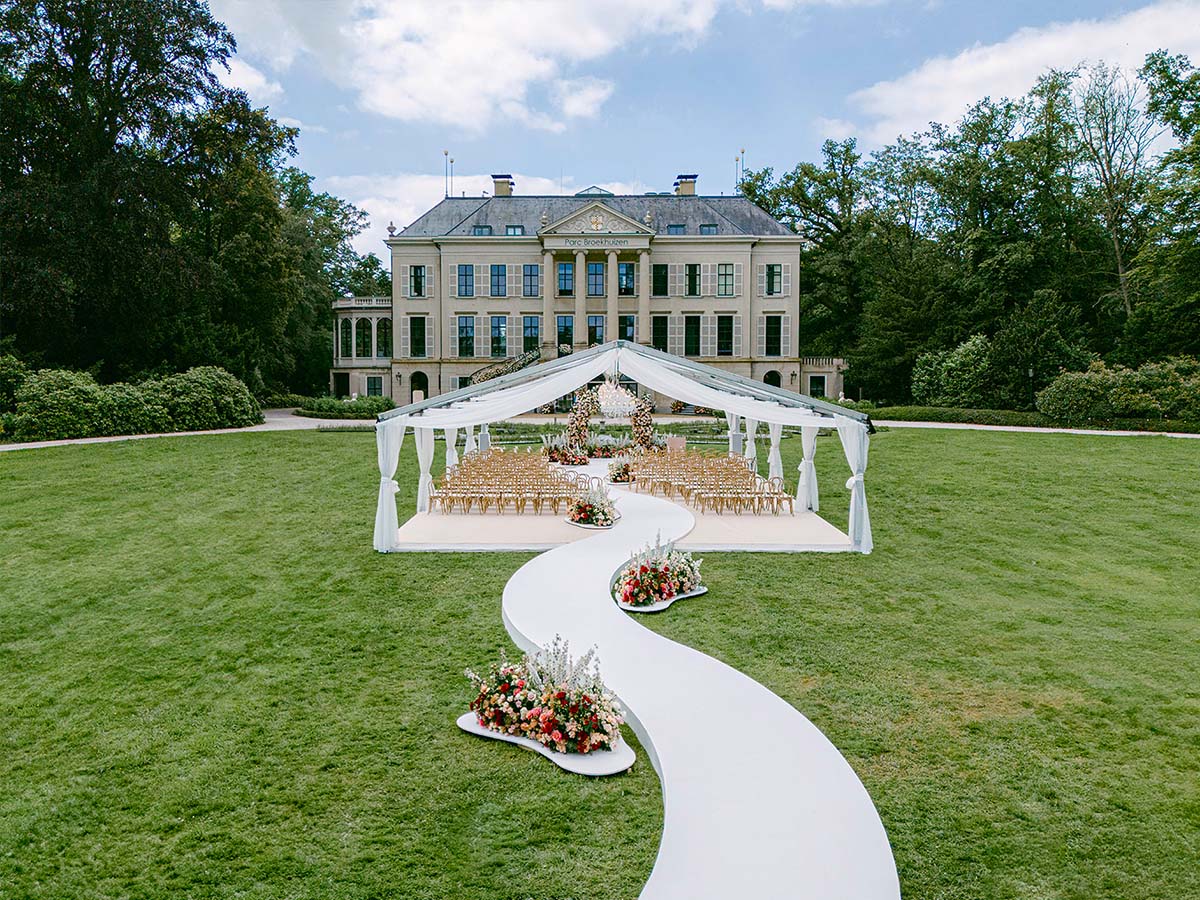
x: 418, y: 382
x: 341, y: 384
x: 773, y: 378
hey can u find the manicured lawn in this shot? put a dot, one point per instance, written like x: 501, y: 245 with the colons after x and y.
x: 212, y: 686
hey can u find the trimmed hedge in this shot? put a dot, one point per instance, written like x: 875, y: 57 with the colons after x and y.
x: 57, y: 404
x: 13, y: 373
x: 332, y: 408
x: 284, y: 401
x: 1009, y: 417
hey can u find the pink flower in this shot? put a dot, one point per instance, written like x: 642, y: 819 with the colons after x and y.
x: 556, y: 736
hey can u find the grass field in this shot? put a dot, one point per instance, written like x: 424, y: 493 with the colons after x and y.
x: 212, y: 687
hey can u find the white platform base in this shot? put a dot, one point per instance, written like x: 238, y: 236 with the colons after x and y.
x: 594, y: 764
x: 616, y: 519
x: 662, y: 604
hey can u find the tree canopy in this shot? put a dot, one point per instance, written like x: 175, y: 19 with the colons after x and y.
x: 1045, y: 224
x: 151, y: 220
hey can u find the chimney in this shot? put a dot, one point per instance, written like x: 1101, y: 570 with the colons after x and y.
x: 685, y: 185
x: 502, y: 185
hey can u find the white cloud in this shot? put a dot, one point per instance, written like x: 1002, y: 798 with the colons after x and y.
x: 403, y: 198
x: 581, y: 98
x: 262, y: 90
x: 941, y: 89
x: 834, y: 129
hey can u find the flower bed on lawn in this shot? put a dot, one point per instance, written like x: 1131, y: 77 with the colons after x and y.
x: 566, y: 456
x: 619, y: 472
x: 563, y: 705
x: 595, y: 508
x: 657, y: 574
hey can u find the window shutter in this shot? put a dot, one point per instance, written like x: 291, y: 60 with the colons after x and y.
x: 430, y: 272
x: 404, y: 336
x: 787, y: 280
x: 762, y: 280
x: 708, y: 335
x: 637, y: 279
x: 452, y: 280
x: 452, y: 337
x: 785, y: 335
x: 737, y: 336
x: 673, y: 288
x: 516, y: 337
x: 707, y: 286
x: 483, y: 334
x: 483, y: 283
x: 760, y: 346
x: 404, y: 282
x: 430, y: 343
x: 514, y: 282
x: 737, y: 281
x: 541, y: 282
x: 675, y: 326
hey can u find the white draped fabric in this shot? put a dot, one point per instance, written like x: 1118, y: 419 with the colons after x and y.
x: 387, y: 448
x: 470, y: 445
x: 775, y: 460
x: 701, y: 387
x: 806, y: 490
x: 751, y: 448
x: 854, y: 441
x: 424, y: 439
x: 485, y: 438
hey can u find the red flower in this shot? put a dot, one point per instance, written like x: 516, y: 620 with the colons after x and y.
x: 504, y: 688
x: 561, y: 695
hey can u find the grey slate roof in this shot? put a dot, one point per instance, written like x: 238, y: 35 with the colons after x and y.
x: 731, y: 215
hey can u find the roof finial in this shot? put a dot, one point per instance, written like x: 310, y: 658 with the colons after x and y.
x: 391, y: 229
x: 647, y: 218
x: 545, y: 218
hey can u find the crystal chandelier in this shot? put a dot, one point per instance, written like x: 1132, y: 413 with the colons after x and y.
x: 615, y: 401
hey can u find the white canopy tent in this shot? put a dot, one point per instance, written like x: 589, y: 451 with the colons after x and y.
x: 535, y: 386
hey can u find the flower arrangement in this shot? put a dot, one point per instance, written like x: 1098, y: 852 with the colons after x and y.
x: 566, y: 456
x: 593, y: 508
x: 657, y: 574
x: 677, y: 406
x: 641, y: 423
x: 560, y: 703
x: 619, y: 472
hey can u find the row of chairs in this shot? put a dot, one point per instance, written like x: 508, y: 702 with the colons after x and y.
x: 502, y: 480
x: 711, y: 483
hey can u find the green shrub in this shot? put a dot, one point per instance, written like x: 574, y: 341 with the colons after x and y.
x: 132, y: 409
x: 13, y: 373
x: 1009, y: 417
x: 332, y: 408
x: 284, y: 401
x: 204, y: 398
x: 1168, y: 390
x: 55, y: 404
x: 958, y: 377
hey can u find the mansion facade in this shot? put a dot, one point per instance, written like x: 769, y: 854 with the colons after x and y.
x: 478, y: 280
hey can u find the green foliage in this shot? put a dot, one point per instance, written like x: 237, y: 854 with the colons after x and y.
x: 957, y: 377
x: 206, y: 397
x: 1008, y: 417
x: 55, y: 404
x: 333, y: 408
x: 13, y: 373
x: 284, y: 401
x: 150, y: 220
x: 1168, y: 390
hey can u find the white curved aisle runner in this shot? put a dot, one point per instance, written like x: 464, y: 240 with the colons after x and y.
x: 757, y: 801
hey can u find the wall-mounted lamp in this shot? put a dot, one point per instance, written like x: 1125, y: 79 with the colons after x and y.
x: 399, y: 377
x: 794, y: 376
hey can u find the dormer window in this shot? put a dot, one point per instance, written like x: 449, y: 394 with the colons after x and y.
x: 481, y: 230
x: 708, y: 229
x: 676, y: 229
x: 514, y: 230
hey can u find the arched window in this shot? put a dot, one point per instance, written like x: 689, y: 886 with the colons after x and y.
x: 773, y: 378
x: 418, y: 382
x: 362, y: 338
x: 347, y: 339
x: 383, y: 338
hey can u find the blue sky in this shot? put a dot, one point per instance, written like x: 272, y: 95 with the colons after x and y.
x: 626, y: 93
